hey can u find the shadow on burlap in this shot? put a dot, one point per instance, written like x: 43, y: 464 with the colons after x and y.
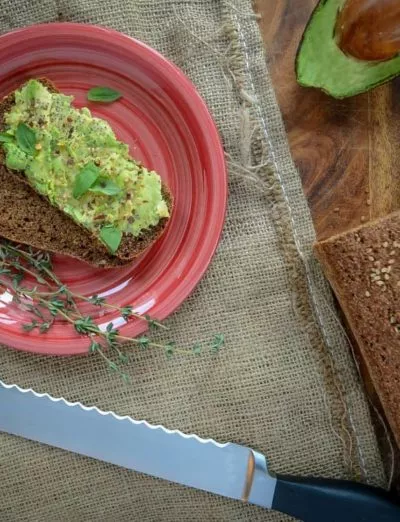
x: 285, y: 383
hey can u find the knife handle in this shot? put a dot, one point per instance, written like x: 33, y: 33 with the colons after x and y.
x: 317, y: 500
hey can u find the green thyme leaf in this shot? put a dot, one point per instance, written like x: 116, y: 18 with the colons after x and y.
x: 123, y: 358
x: 6, y: 138
x: 44, y: 327
x: 54, y: 306
x: 217, y: 342
x: 85, y: 179
x: 28, y: 327
x: 105, y: 186
x: 169, y: 349
x: 111, y: 236
x: 197, y: 349
x: 144, y: 342
x: 103, y: 95
x: 153, y: 323
x: 126, y: 312
x: 94, y: 347
x: 84, y: 325
x: 110, y: 327
x: 113, y: 366
x: 96, y: 300
x: 26, y: 138
x: 17, y: 278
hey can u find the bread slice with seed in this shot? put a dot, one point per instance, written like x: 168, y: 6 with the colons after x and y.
x: 29, y: 218
x: 363, y: 268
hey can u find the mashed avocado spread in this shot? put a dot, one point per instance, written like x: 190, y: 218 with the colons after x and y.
x: 76, y: 161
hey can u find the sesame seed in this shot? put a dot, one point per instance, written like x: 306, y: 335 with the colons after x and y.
x: 369, y: 250
x: 380, y: 283
x: 392, y: 253
x: 367, y: 294
x: 370, y: 258
x: 385, y: 244
x: 368, y: 202
x: 384, y: 269
x: 391, y: 261
x: 386, y: 276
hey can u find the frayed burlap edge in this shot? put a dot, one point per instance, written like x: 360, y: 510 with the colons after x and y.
x: 258, y: 164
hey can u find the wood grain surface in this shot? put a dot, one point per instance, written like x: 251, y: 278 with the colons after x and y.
x: 347, y: 151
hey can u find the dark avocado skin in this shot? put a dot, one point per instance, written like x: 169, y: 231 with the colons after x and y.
x: 321, y: 64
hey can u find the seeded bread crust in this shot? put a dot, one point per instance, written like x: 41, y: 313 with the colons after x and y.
x: 29, y: 218
x: 363, y: 268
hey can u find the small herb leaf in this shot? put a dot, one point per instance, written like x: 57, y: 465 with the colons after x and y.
x: 85, y: 179
x: 144, y: 342
x: 111, y: 236
x: 44, y: 327
x: 126, y: 312
x: 169, y: 349
x: 84, y: 325
x: 103, y: 94
x: 107, y: 187
x: 197, y: 349
x: 217, y: 342
x: 94, y: 346
x: 6, y: 138
x: 26, y: 138
x: 96, y: 300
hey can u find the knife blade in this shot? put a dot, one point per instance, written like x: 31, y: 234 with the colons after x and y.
x: 226, y: 469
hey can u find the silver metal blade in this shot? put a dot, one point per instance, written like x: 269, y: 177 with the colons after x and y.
x: 228, y: 469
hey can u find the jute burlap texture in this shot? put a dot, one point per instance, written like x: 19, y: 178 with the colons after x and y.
x: 285, y: 384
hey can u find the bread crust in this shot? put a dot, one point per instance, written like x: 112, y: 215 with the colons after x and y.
x: 28, y: 217
x: 363, y: 268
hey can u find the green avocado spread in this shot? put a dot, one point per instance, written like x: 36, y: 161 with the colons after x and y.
x: 75, y: 160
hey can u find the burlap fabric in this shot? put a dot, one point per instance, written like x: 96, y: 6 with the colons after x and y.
x: 285, y: 383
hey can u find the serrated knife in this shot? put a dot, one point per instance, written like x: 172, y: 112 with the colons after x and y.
x: 229, y: 469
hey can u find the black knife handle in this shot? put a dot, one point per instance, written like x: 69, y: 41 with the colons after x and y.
x: 326, y: 500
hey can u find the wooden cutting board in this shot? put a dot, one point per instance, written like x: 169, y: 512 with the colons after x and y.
x: 347, y: 151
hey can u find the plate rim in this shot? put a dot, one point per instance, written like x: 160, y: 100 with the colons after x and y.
x: 46, y: 346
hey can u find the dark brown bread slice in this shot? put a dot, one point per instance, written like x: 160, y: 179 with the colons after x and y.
x: 27, y: 217
x: 363, y: 268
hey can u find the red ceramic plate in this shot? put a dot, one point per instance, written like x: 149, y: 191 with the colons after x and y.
x: 167, y: 126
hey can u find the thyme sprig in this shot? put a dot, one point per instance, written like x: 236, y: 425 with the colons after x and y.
x: 49, y: 299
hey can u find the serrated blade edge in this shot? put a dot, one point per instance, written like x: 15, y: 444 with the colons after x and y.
x: 187, y: 459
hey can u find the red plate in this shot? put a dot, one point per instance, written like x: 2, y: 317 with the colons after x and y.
x: 167, y: 126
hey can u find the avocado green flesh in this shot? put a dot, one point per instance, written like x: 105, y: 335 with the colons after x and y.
x: 321, y: 63
x: 67, y: 141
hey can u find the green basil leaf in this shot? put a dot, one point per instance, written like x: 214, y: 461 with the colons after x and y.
x: 111, y: 236
x: 105, y: 186
x: 26, y: 138
x: 6, y: 138
x: 103, y: 94
x: 85, y: 179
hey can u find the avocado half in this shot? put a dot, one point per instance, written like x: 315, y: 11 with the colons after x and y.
x: 320, y: 62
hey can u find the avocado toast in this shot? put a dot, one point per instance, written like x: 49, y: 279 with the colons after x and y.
x: 69, y: 186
